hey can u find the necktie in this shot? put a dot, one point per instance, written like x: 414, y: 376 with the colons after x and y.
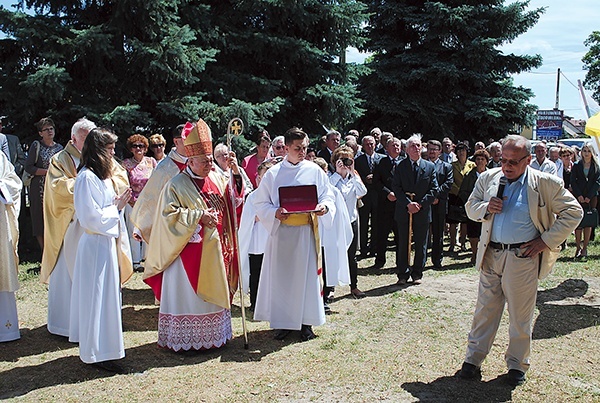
x: 415, y: 167
x: 370, y: 162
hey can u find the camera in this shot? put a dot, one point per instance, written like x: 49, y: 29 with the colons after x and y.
x: 347, y: 162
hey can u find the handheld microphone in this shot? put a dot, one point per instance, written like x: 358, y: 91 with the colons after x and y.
x: 501, y: 186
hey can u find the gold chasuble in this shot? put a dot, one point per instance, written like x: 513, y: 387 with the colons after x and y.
x: 58, y: 205
x: 120, y: 182
x: 59, y: 209
x: 10, y: 193
x: 145, y: 206
x: 208, y: 254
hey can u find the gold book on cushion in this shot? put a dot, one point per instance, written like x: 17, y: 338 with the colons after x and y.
x: 298, y: 199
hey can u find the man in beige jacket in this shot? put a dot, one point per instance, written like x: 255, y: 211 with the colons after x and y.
x: 524, y: 223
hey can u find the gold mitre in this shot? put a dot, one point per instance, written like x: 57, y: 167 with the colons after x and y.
x: 197, y: 139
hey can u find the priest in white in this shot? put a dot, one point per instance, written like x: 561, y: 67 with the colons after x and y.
x: 61, y: 228
x: 253, y: 240
x: 96, y: 321
x: 192, y: 263
x: 289, y: 292
x: 10, y: 204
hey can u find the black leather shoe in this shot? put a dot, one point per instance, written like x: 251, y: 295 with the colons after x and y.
x: 515, y: 377
x: 281, y: 334
x: 469, y: 371
x: 306, y: 333
x: 110, y: 366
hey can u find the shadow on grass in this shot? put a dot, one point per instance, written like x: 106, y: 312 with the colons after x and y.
x: 454, y: 389
x: 33, y: 342
x: 560, y: 319
x: 71, y: 370
x: 142, y: 296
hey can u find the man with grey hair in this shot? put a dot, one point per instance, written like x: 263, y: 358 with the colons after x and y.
x: 541, y: 163
x: 524, y: 221
x: 365, y: 165
x: 415, y: 186
x: 553, y: 155
x: 61, y: 228
x: 278, y: 146
x: 495, y: 152
x: 332, y: 141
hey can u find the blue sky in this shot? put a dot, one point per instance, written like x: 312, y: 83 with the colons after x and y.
x: 558, y: 37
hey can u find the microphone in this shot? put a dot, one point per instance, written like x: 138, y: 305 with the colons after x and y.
x: 501, y: 186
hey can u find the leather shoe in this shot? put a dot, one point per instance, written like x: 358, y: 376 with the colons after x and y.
x: 327, y: 308
x: 281, y: 334
x: 417, y: 281
x: 515, y: 377
x: 401, y: 282
x: 437, y: 265
x: 358, y: 294
x: 306, y: 333
x: 469, y: 371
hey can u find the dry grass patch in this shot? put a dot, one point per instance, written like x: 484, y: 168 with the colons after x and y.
x: 396, y: 345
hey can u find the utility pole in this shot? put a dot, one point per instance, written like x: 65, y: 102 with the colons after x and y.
x: 557, y: 88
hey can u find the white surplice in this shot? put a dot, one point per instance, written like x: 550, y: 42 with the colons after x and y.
x: 61, y: 282
x: 10, y: 204
x: 96, y: 293
x: 289, y: 293
x: 336, y: 241
x: 252, y: 237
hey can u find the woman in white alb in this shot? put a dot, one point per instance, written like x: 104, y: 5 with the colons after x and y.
x: 96, y: 294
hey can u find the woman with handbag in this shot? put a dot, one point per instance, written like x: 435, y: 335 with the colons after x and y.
x: 139, y: 168
x: 460, y: 168
x: 36, y: 166
x: 585, y: 182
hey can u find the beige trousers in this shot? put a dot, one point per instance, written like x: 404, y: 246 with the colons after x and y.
x: 504, y: 277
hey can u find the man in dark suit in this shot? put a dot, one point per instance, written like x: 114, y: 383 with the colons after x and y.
x: 414, y: 176
x: 17, y: 156
x: 365, y: 165
x: 332, y: 141
x: 386, y: 202
x: 439, y: 207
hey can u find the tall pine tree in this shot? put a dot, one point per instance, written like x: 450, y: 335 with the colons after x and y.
x: 437, y: 68
x: 147, y: 65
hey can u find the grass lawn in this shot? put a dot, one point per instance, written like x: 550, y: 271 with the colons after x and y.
x: 396, y: 345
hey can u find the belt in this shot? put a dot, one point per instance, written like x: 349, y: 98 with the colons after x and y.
x: 503, y: 246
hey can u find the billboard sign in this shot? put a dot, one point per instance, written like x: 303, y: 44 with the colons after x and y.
x: 549, y: 124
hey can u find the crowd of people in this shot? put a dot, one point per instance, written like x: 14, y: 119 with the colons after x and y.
x: 198, y: 224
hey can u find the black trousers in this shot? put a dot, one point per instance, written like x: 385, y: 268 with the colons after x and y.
x: 368, y: 210
x: 385, y: 224
x: 353, y: 265
x: 420, y: 227
x: 438, y: 222
x: 255, y: 266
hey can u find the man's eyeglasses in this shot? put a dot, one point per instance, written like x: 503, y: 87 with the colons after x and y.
x: 512, y: 163
x: 157, y: 145
x: 138, y: 146
x: 279, y: 147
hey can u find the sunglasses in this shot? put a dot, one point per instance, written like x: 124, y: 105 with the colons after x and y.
x: 512, y: 163
x: 138, y: 146
x: 157, y: 145
x: 279, y: 147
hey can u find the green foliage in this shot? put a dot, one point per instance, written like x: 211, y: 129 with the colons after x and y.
x: 437, y: 70
x: 148, y: 65
x: 591, y: 62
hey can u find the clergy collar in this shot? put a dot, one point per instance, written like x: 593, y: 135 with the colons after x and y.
x: 189, y: 171
x: 175, y: 156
